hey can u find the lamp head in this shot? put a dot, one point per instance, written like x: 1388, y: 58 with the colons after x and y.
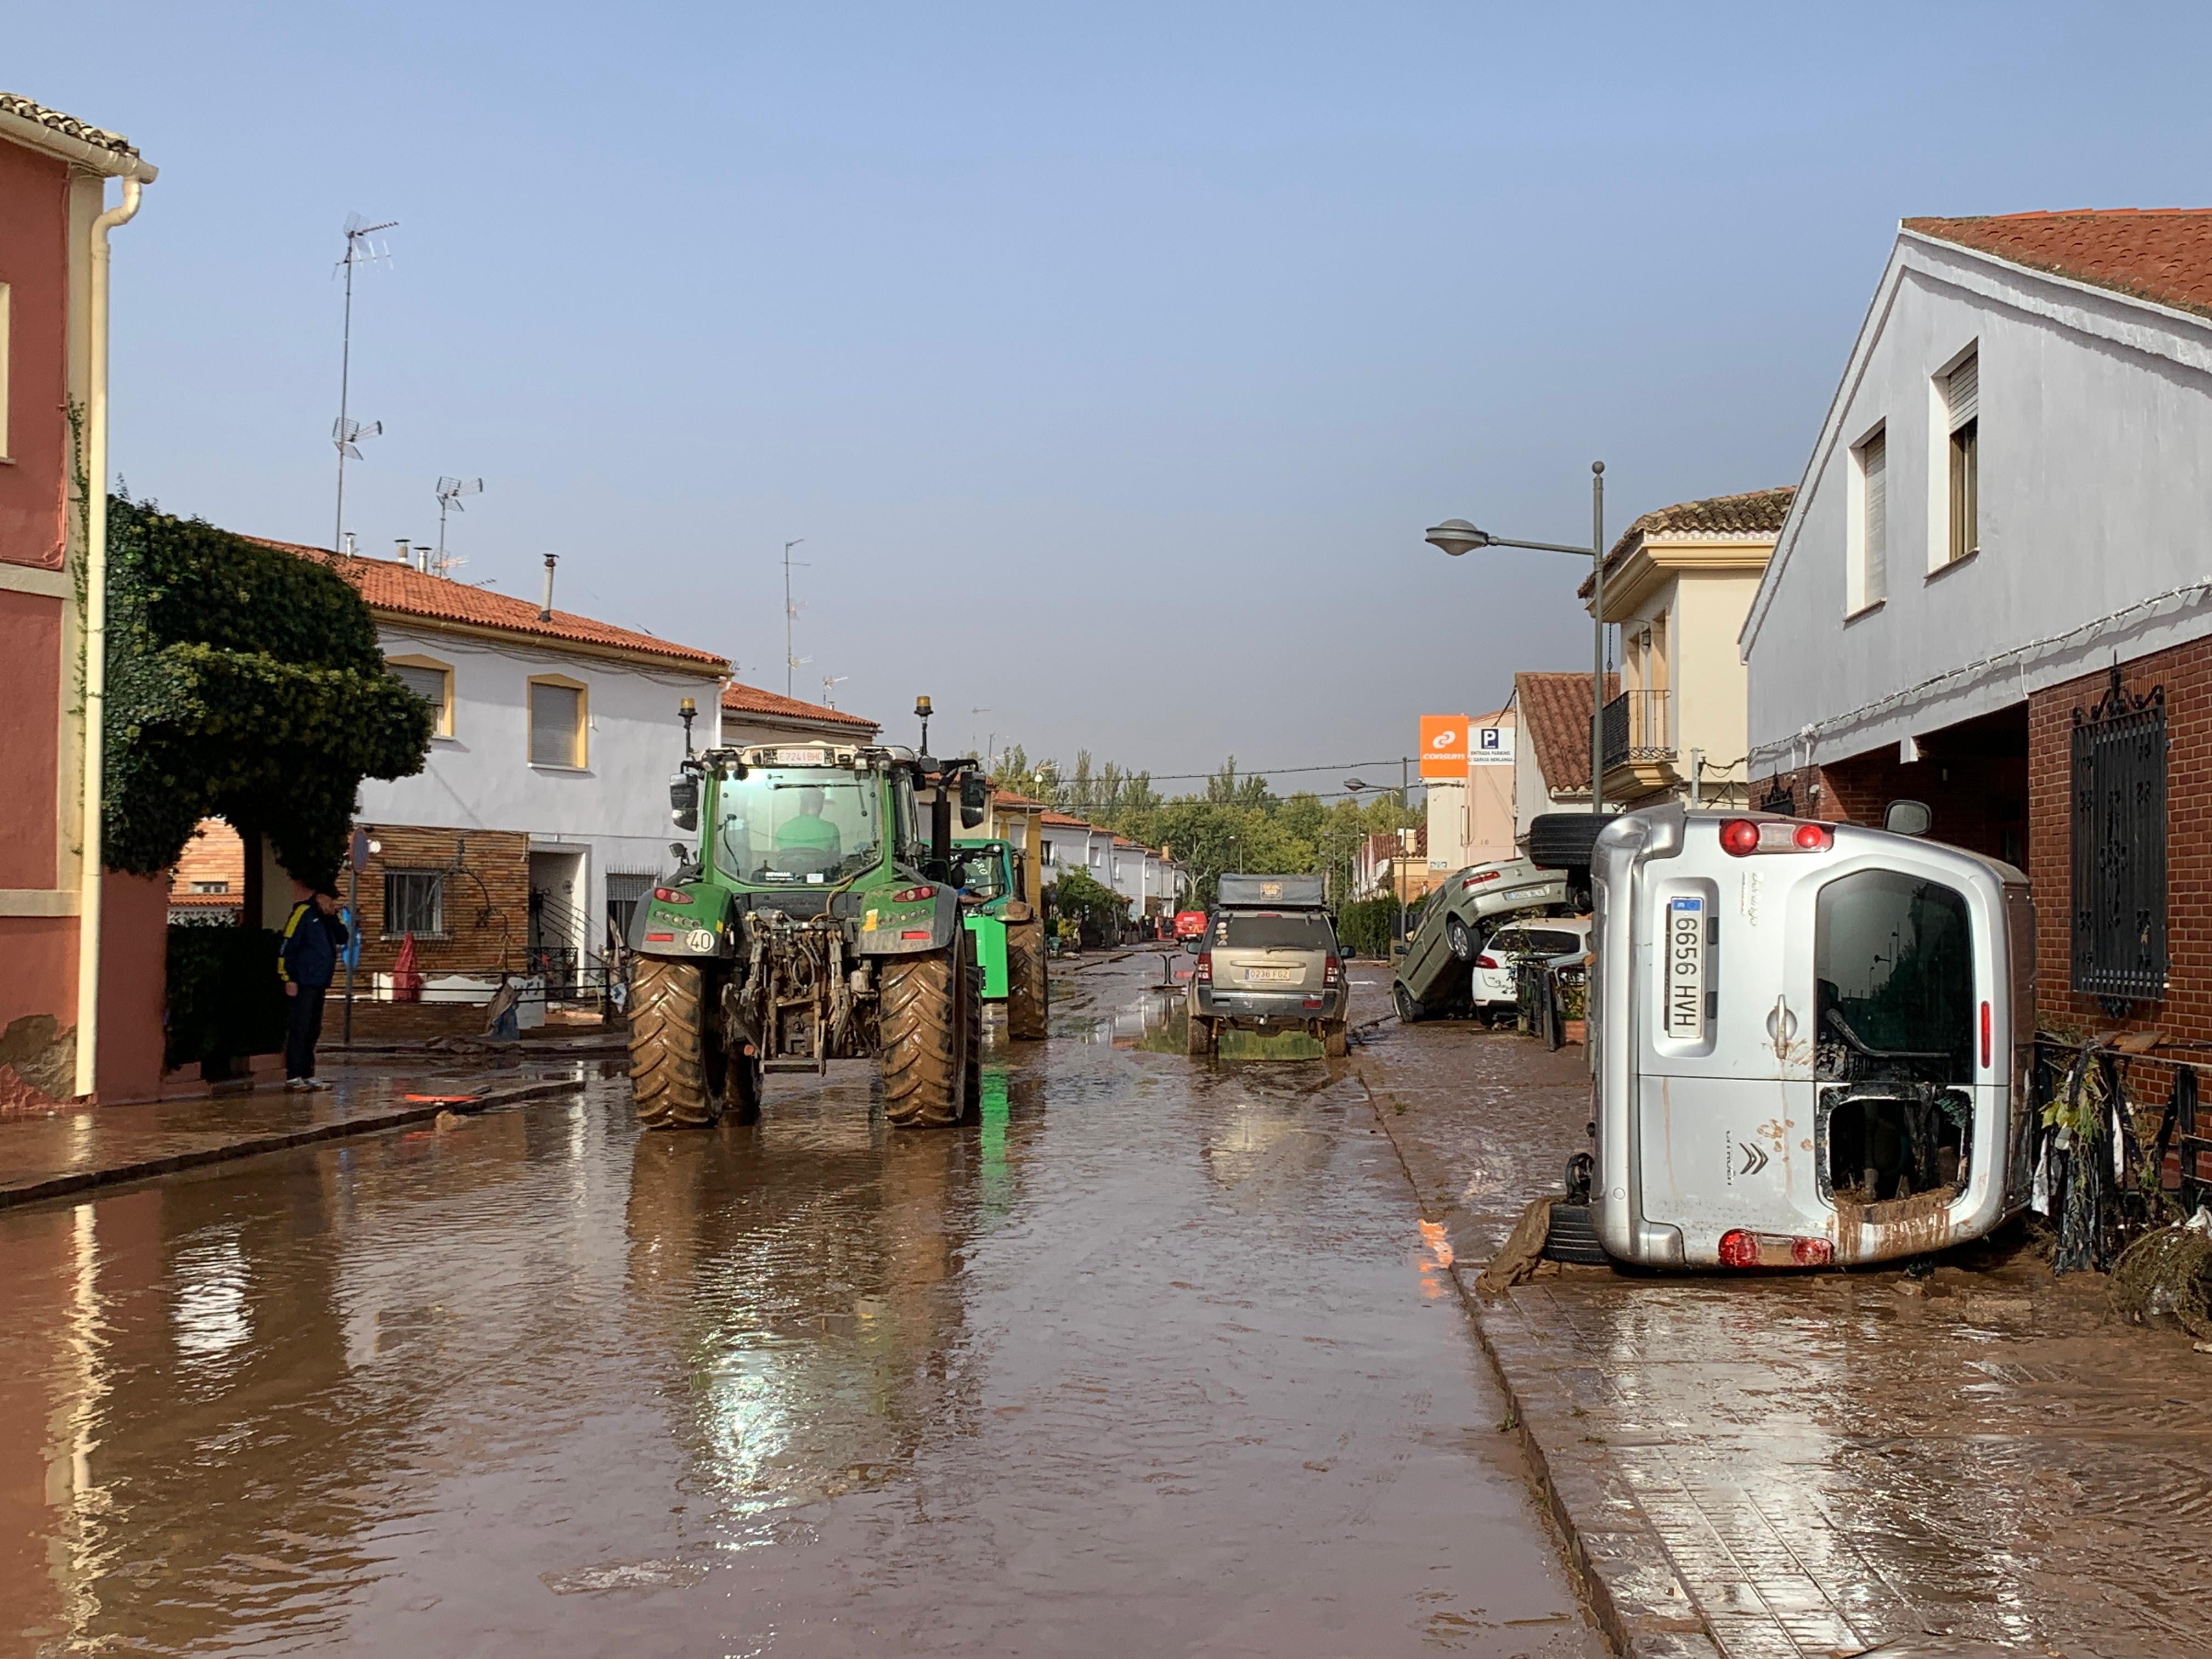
x: 1458, y: 535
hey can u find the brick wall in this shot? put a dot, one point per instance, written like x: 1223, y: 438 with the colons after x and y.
x: 2185, y: 1013
x: 487, y: 897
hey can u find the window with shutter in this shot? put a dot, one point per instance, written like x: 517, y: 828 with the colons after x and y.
x: 429, y: 684
x: 1962, y: 399
x: 556, y: 724
x: 1873, y: 554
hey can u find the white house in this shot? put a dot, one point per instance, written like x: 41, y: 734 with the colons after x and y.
x: 1965, y: 624
x: 541, y: 813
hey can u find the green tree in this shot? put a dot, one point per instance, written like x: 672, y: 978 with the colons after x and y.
x: 244, y: 683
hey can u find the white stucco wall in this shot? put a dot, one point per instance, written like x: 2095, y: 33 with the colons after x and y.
x: 615, y: 808
x: 2095, y: 495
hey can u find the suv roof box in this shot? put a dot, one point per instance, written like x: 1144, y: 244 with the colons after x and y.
x: 1269, y: 892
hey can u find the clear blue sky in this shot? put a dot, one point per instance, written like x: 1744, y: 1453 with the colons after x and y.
x: 1111, y: 360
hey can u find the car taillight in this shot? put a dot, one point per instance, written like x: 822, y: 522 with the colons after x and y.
x: 913, y: 895
x: 1985, y: 1036
x: 671, y: 896
x: 1328, y: 972
x: 1205, y: 968
x: 1743, y: 1249
x: 1741, y: 837
x: 1485, y: 960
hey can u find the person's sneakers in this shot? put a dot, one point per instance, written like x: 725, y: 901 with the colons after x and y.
x: 294, y: 1085
x: 319, y: 1085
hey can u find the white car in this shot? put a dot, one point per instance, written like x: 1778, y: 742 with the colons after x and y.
x: 1560, y: 941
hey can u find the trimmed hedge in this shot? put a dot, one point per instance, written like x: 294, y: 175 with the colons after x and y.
x: 1365, y: 926
x: 243, y: 683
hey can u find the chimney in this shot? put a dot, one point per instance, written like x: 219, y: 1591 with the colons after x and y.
x: 399, y: 551
x: 545, y: 611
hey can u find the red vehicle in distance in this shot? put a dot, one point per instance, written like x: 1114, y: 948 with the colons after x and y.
x: 1190, y: 924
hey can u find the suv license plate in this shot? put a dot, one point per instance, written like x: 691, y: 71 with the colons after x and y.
x: 1273, y: 973
x: 1686, y: 969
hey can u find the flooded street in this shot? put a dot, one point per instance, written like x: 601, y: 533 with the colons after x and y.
x: 1160, y: 1359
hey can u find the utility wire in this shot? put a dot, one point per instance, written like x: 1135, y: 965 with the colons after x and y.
x: 1247, y: 771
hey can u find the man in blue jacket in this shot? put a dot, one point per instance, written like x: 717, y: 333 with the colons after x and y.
x: 313, y: 935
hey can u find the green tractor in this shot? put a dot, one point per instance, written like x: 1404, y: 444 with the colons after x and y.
x: 1009, y: 933
x: 811, y: 917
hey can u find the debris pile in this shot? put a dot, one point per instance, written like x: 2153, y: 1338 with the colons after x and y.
x: 2168, y: 1273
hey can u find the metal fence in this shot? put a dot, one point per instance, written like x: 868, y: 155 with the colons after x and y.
x: 1636, y: 728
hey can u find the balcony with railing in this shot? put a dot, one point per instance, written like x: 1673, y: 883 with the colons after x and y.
x: 1637, y: 733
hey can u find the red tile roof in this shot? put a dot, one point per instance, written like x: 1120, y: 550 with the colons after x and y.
x: 1008, y: 797
x: 1555, y: 713
x: 394, y: 589
x: 1754, y: 512
x: 751, y: 700
x: 2161, y: 254
x: 1062, y: 821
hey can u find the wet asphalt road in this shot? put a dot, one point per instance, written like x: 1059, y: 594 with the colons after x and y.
x: 1157, y: 1361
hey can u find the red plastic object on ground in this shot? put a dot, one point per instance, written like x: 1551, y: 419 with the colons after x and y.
x: 406, y: 978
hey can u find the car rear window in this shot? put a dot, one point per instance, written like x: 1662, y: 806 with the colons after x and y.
x: 1264, y: 929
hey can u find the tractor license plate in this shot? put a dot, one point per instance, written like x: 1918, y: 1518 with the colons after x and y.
x: 1273, y: 975
x: 1686, y: 969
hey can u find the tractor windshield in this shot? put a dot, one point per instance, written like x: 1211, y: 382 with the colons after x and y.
x: 798, y: 826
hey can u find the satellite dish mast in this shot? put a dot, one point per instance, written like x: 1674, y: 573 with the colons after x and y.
x: 450, y: 491
x: 359, y: 250
x: 829, y: 684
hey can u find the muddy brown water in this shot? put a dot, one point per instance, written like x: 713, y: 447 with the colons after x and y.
x: 1156, y: 1360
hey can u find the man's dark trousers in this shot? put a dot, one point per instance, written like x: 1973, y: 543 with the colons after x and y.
x: 303, y: 1011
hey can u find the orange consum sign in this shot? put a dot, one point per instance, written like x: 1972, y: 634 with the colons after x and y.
x: 1443, y: 745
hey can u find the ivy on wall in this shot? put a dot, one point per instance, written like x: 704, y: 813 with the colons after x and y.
x: 244, y: 683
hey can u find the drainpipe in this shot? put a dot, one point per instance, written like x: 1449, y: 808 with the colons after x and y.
x: 95, y: 644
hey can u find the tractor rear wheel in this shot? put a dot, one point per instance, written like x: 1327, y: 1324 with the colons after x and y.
x: 923, y: 1041
x: 1029, y: 991
x: 677, y: 1066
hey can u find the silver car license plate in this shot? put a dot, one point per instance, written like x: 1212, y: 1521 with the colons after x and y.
x: 1686, y: 969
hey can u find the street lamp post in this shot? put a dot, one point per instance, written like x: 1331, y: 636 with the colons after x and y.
x: 1458, y: 535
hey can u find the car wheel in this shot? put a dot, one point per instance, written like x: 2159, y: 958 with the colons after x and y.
x: 1411, y: 1011
x: 1573, y: 1237
x: 1461, y: 939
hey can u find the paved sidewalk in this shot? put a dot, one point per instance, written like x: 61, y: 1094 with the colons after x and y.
x: 1801, y: 1465
x: 44, y: 1158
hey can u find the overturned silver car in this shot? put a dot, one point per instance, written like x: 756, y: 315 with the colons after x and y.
x: 1811, y: 1041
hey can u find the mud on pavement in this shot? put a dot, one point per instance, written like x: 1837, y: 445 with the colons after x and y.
x: 1157, y: 1359
x: 1813, y: 1464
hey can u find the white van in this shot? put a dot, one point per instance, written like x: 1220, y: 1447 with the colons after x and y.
x: 1812, y: 1041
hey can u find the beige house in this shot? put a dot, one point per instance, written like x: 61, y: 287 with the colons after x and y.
x: 1679, y: 585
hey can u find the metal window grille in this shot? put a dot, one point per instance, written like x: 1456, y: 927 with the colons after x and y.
x: 1780, y: 796
x: 624, y: 892
x: 414, y: 903
x: 2119, y: 847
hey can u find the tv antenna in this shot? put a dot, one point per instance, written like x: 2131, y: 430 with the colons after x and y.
x: 791, y: 659
x: 361, y: 249
x: 450, y: 491
x: 829, y: 684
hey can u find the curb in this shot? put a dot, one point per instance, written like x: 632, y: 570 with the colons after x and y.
x: 1616, y: 1557
x: 368, y: 1123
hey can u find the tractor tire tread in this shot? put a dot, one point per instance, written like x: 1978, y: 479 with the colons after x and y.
x: 671, y: 1071
x: 923, y: 1043
x: 1028, y: 988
